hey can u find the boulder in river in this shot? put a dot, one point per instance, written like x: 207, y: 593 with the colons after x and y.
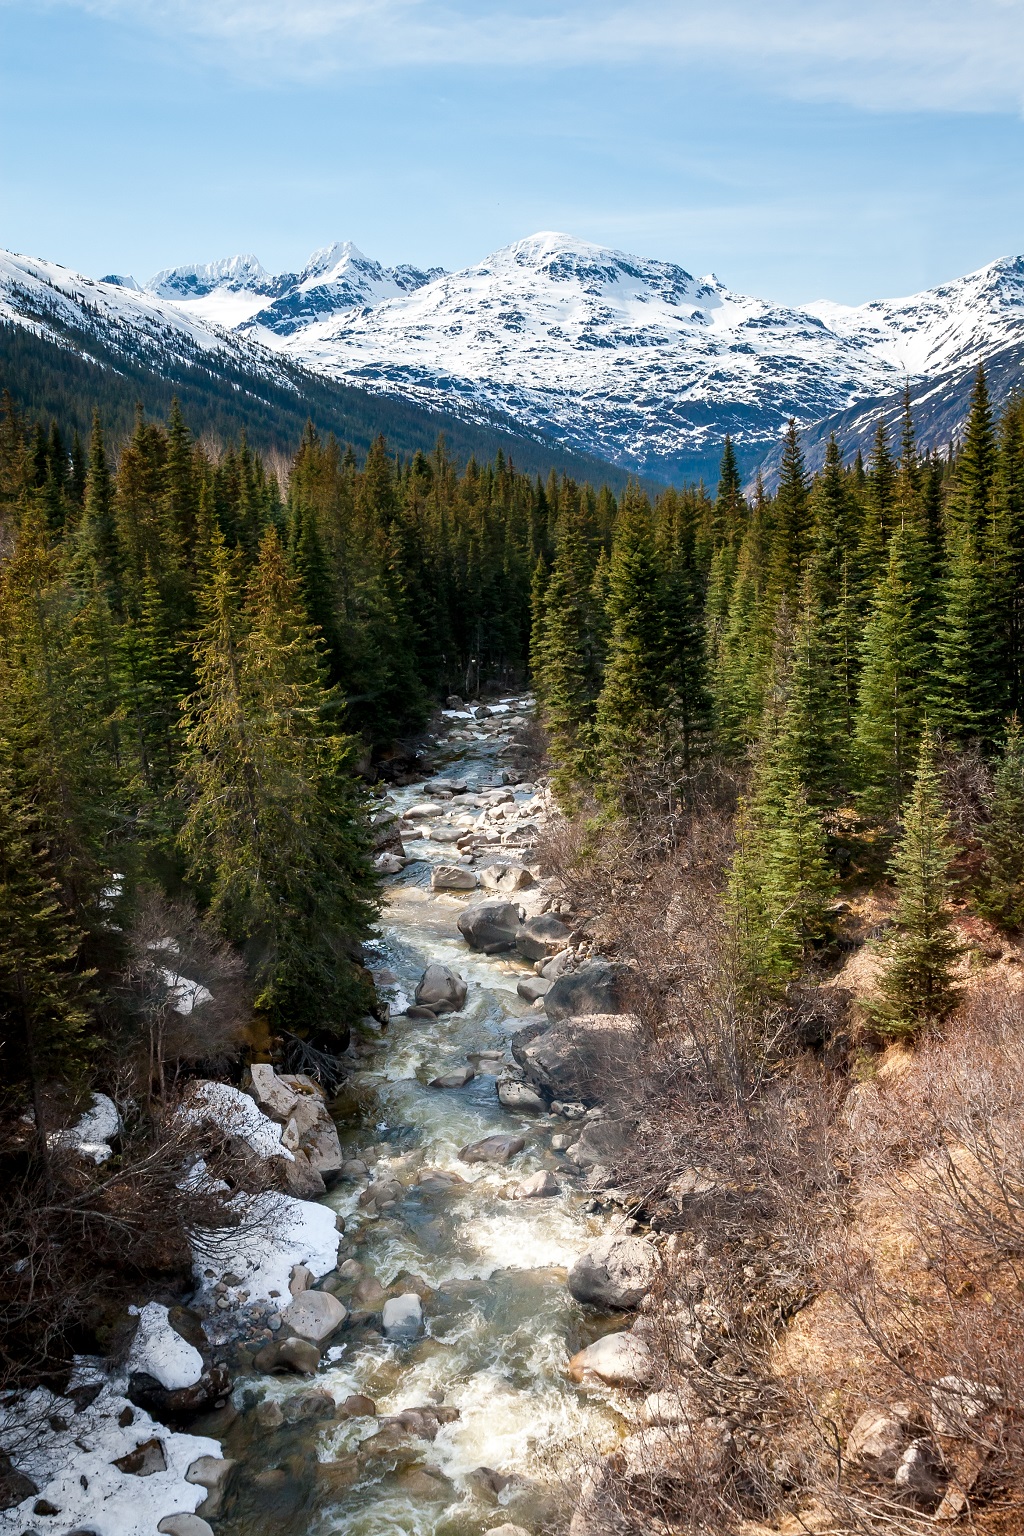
x: 493, y: 1149
x: 505, y: 878
x: 521, y: 1097
x: 531, y: 988
x: 314, y: 1315
x: 540, y: 1186
x: 452, y: 877
x: 490, y: 926
x: 616, y: 1272
x: 389, y: 864
x: 618, y: 1359
x: 457, y: 1079
x: 402, y: 1317
x: 541, y: 937
x: 441, y: 990
x: 599, y: 986
x: 184, y: 1524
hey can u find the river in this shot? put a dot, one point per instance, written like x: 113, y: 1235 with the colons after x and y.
x: 499, y: 1322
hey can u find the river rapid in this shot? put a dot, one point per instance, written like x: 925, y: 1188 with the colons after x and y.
x: 499, y: 1323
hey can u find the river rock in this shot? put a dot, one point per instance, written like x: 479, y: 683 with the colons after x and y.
x: 212, y: 1473
x: 457, y: 1079
x: 441, y: 990
x: 388, y: 864
x: 356, y: 1406
x: 519, y: 1096
x: 323, y: 1149
x: 452, y: 877
x: 506, y: 878
x: 300, y: 1178
x: 615, y: 1272
x: 447, y: 834
x: 541, y: 937
x: 314, y: 1315
x: 490, y: 926
x: 618, y: 1359
x: 184, y: 1524
x: 532, y: 987
x: 423, y: 810
x: 446, y: 786
x: 596, y: 987
x: 493, y: 1149
x: 299, y: 1355
x: 507, y: 1530
x: 551, y: 969
x: 272, y: 1095
x: 540, y: 1186
x: 403, y: 1317
x: 577, y: 1058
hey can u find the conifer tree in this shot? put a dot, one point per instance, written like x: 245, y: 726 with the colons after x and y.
x: 894, y: 678
x: 273, y: 817
x: 970, y: 688
x: 1000, y: 893
x: 630, y: 718
x: 566, y: 666
x: 879, y: 511
x: 918, y: 986
x: 792, y: 530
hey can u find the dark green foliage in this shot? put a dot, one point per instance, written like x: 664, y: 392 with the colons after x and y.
x: 918, y: 986
x: 1001, y: 884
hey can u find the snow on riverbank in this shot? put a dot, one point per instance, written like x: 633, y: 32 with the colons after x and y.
x: 70, y: 1454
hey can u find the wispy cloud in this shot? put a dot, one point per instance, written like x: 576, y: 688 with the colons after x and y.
x: 910, y: 55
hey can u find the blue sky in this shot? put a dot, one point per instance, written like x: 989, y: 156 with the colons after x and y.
x: 799, y: 148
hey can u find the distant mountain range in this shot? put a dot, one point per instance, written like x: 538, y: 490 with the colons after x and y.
x: 590, y: 351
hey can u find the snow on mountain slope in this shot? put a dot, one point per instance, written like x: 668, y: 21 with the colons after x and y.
x: 73, y: 311
x: 238, y: 289
x: 956, y: 325
x: 635, y: 359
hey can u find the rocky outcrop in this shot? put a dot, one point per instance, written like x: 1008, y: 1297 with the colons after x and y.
x: 597, y: 987
x: 578, y: 1057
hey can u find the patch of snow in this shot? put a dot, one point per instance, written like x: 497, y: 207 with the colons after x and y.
x: 92, y: 1134
x: 69, y: 1454
x: 277, y: 1232
x: 237, y: 1115
x: 186, y: 993
x: 161, y: 1352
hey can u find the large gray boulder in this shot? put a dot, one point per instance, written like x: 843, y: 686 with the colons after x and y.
x: 493, y: 1149
x: 441, y: 990
x: 314, y: 1315
x: 578, y: 1058
x: 541, y: 937
x: 490, y: 926
x: 599, y: 986
x: 614, y: 1273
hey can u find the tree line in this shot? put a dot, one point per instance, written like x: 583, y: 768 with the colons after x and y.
x: 835, y: 638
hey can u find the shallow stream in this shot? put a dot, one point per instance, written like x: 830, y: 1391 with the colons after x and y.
x: 499, y: 1322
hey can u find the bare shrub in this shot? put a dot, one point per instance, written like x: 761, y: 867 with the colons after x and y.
x: 183, y: 990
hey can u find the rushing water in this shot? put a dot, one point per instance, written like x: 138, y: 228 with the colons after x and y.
x: 500, y: 1323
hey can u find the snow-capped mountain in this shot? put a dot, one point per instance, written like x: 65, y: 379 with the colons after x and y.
x: 634, y: 360
x: 238, y: 291
x: 630, y: 360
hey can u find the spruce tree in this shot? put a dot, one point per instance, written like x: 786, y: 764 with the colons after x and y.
x: 792, y: 530
x: 891, y: 696
x: 274, y: 820
x: 566, y: 668
x: 918, y: 986
x: 1000, y: 894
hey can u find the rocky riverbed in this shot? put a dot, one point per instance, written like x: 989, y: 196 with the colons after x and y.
x: 434, y: 1344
